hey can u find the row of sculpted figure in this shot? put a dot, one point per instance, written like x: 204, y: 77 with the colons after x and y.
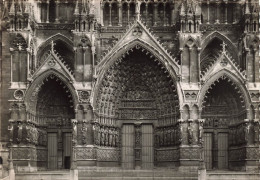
x: 244, y: 133
x: 167, y: 136
x: 106, y: 136
x: 27, y: 133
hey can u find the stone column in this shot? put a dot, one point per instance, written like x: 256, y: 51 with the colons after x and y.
x: 28, y: 61
x: 84, y: 62
x: 93, y: 51
x: 119, y: 14
x: 146, y: 12
x: 164, y: 18
x: 155, y: 14
x: 189, y: 63
x: 226, y: 12
x: 128, y: 13
x: 172, y: 14
x: 208, y: 20
x: 217, y: 13
x: 256, y: 65
x: 110, y: 14
x: 57, y: 11
x: 234, y: 11
x: 11, y: 64
x: 101, y: 13
x: 48, y: 11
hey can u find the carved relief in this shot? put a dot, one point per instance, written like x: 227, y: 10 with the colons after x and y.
x: 18, y: 94
x: 83, y: 96
x: 167, y: 155
x: 85, y: 153
x: 108, y: 154
x: 167, y: 136
x: 191, y: 95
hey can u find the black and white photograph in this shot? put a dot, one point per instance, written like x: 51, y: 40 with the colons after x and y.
x: 129, y: 90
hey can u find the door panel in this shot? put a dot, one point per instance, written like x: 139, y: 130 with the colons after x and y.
x: 207, y: 139
x: 222, y: 150
x: 147, y: 147
x: 128, y: 146
x: 67, y: 148
x: 52, y: 151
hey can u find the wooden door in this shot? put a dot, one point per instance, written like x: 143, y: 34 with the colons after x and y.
x: 128, y: 146
x: 52, y: 151
x: 223, y: 150
x: 147, y: 159
x: 207, y: 139
x: 67, y: 149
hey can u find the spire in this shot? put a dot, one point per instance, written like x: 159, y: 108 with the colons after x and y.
x: 190, y: 9
x: 5, y: 10
x: 27, y: 7
x: 12, y: 9
x: 84, y: 7
x: 182, y: 9
x: 76, y: 12
x: 247, y: 8
x: 20, y: 8
x: 198, y: 9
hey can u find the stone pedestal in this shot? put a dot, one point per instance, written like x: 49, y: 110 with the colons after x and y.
x: 189, y: 158
x: 24, y: 158
x: 74, y: 174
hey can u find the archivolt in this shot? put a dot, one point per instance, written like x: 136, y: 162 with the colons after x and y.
x: 152, y: 53
x: 31, y: 94
x: 233, y: 80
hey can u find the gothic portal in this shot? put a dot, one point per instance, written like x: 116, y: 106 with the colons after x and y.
x: 130, y: 84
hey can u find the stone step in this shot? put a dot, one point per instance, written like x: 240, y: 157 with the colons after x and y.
x: 137, y: 178
x: 232, y: 176
x: 135, y: 175
x: 43, y: 175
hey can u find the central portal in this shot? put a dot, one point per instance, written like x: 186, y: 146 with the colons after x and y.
x: 137, y: 146
x: 137, y: 96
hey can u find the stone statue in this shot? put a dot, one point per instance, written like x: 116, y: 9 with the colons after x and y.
x: 201, y: 131
x: 19, y: 134
x: 11, y: 131
x: 113, y: 137
x: 44, y: 139
x: 110, y: 137
x: 117, y: 138
x: 74, y: 132
x: 256, y: 131
x: 190, y: 134
x: 102, y: 136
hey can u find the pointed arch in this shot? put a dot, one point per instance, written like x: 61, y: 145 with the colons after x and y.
x: 55, y: 37
x: 154, y: 54
x: 32, y: 91
x: 216, y: 35
x: 238, y: 81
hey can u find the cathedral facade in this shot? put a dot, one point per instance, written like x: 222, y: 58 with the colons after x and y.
x: 130, y: 84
